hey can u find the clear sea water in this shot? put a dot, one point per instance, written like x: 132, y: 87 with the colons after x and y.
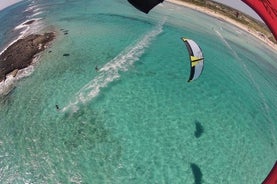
x: 136, y: 119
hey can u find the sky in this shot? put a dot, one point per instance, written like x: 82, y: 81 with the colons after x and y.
x: 239, y: 5
x: 6, y: 3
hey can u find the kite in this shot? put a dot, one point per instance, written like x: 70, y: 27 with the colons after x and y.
x: 196, y: 59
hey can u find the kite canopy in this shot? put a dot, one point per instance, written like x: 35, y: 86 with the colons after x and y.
x: 266, y: 9
x: 145, y: 5
x: 272, y: 176
x: 196, y: 59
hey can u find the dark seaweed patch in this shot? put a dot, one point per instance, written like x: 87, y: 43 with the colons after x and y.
x: 198, y: 129
x: 197, y: 174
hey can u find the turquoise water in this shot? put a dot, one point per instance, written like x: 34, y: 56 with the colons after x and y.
x: 135, y: 119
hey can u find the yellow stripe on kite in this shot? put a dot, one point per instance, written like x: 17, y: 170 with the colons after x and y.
x: 194, y: 63
x: 193, y: 58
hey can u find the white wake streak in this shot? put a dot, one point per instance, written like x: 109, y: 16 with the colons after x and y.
x: 110, y: 72
x: 258, y: 88
x: 245, y: 69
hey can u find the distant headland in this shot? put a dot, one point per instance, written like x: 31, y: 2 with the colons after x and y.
x: 233, y: 16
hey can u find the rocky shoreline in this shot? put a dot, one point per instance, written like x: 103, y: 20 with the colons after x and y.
x: 21, y: 53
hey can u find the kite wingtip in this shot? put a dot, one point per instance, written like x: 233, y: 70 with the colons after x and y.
x: 183, y: 38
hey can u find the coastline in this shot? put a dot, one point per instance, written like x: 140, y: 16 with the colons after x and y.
x: 226, y: 19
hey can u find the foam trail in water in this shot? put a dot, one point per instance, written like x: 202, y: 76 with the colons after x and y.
x: 110, y: 72
x: 245, y: 68
x: 261, y: 94
x: 227, y: 44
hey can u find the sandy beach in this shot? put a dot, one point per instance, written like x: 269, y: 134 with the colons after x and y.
x: 227, y: 19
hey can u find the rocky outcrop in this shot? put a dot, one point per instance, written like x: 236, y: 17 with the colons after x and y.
x: 21, y: 53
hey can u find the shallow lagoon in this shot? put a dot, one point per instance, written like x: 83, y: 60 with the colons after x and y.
x: 134, y: 120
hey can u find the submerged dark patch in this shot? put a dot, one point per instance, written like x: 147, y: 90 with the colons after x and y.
x: 199, y: 130
x: 65, y: 32
x: 66, y: 54
x: 197, y: 174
